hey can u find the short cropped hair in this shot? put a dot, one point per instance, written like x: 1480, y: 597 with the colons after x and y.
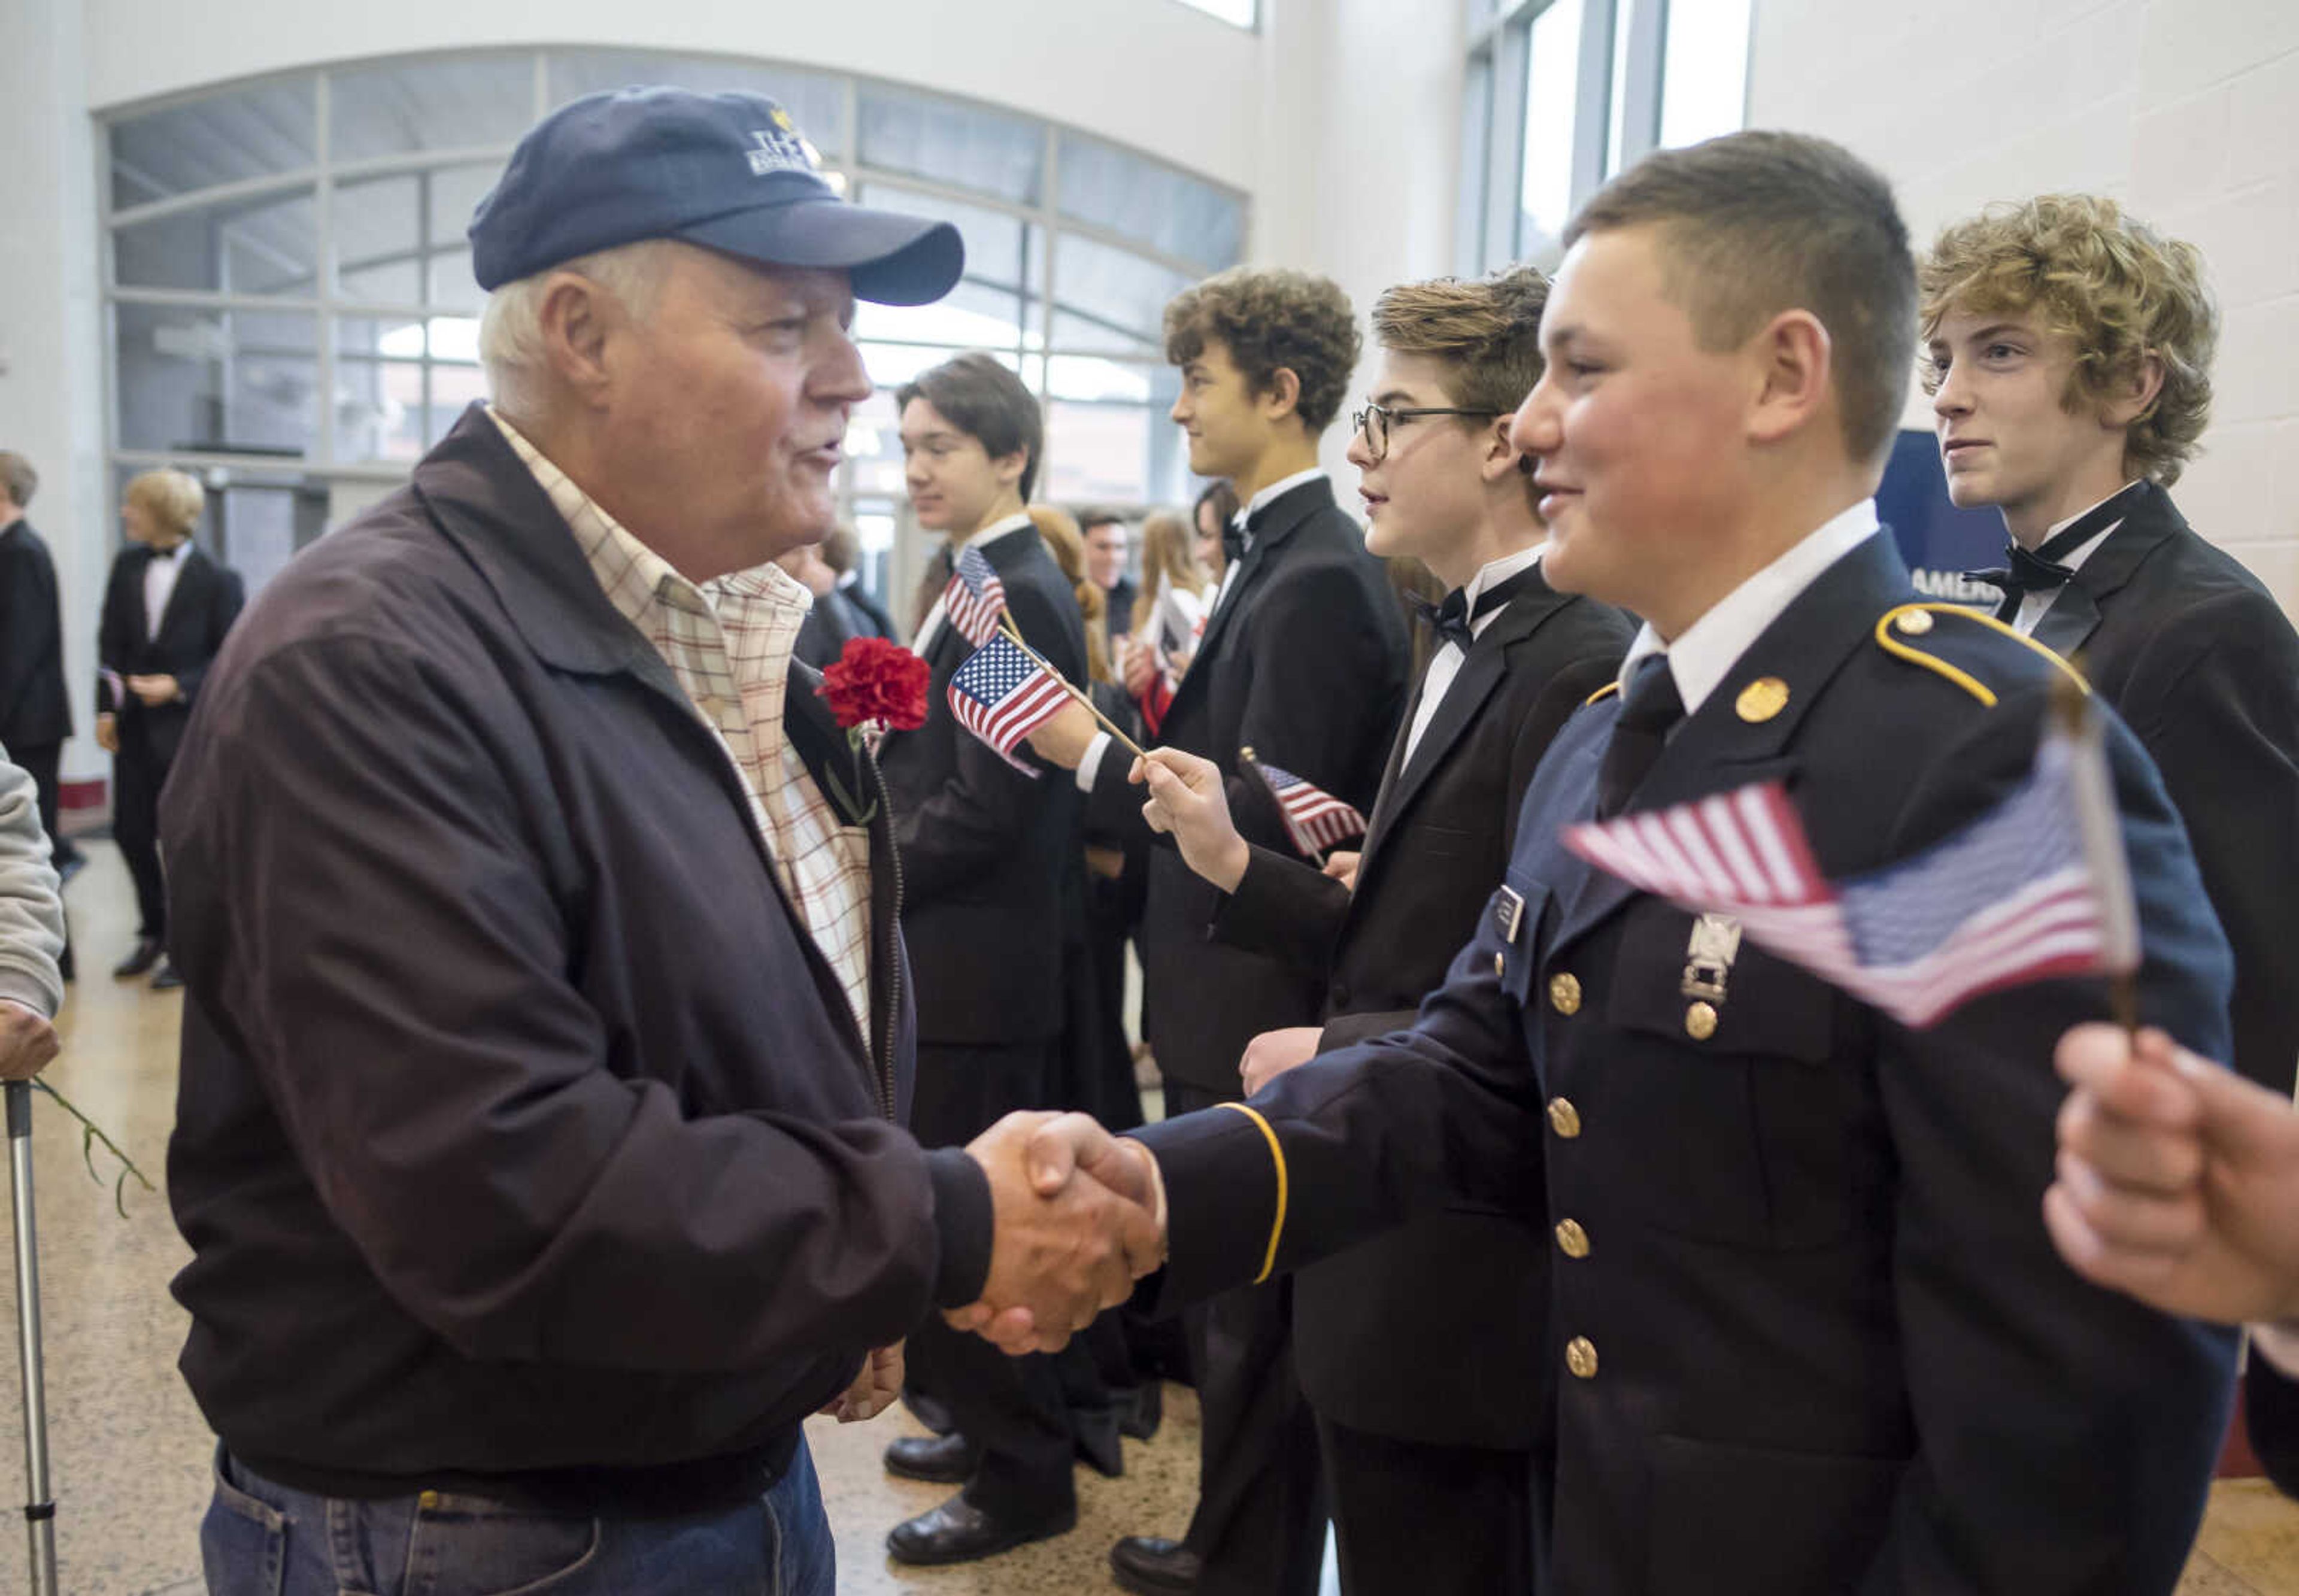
x: 18, y: 479
x: 982, y: 399
x: 1752, y: 224
x: 1484, y: 332
x: 2118, y: 288
x: 1271, y: 320
x: 1088, y: 518
x: 172, y: 498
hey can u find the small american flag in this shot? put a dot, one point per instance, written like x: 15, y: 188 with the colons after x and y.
x: 1316, y: 819
x: 2036, y: 887
x: 1001, y: 696
x: 975, y: 598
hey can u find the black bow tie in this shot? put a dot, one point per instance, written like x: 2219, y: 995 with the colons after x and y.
x: 1454, y: 622
x: 2041, y: 571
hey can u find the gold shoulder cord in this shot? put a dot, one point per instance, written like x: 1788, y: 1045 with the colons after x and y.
x: 1277, y: 1156
x: 1970, y: 684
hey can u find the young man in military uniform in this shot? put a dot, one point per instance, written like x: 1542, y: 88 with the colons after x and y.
x: 2068, y: 353
x: 1808, y: 1331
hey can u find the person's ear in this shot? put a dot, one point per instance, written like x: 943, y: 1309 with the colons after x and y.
x: 1501, y: 457
x: 1009, y: 469
x: 577, y: 318
x: 1792, y: 363
x: 1282, y: 397
x: 2139, y: 394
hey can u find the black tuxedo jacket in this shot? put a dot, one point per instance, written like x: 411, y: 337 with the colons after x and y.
x: 1807, y: 1333
x: 35, y: 712
x: 1385, y: 1333
x: 1304, y: 661
x: 984, y: 847
x: 2201, y: 662
x: 206, y: 600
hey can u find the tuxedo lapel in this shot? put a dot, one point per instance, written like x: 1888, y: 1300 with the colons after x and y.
x: 2075, y: 611
x: 187, y: 582
x: 1282, y: 517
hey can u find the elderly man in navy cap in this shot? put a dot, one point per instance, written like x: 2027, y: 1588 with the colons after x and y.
x: 548, y: 1039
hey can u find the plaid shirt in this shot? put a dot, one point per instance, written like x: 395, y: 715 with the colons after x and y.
x: 728, y: 641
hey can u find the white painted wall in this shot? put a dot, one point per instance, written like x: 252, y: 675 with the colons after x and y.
x: 51, y: 356
x: 1153, y: 73
x: 2185, y: 111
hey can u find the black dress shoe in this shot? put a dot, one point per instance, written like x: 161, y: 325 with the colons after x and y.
x: 166, y: 979
x: 1093, y: 1438
x: 1139, y: 1419
x: 959, y: 1531
x: 147, y: 954
x: 940, y: 1460
x: 1153, y: 1566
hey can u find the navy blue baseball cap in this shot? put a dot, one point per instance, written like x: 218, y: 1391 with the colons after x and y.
x: 729, y: 171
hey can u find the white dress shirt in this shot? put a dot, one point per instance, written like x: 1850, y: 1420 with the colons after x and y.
x: 930, y: 628
x: 1446, y: 663
x: 160, y: 584
x: 1704, y: 656
x: 2032, y: 605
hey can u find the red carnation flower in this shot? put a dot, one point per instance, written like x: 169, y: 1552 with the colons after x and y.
x: 876, y: 681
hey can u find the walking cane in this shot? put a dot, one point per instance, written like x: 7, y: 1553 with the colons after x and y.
x: 39, y: 1511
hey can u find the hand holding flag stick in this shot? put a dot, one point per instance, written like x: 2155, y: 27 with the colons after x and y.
x: 1005, y: 625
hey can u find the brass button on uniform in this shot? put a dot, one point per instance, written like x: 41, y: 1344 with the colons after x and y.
x: 1571, y: 1240
x: 1761, y: 699
x: 1700, y: 1022
x: 1915, y: 623
x: 1564, y: 994
x: 1501, y: 965
x: 1581, y: 1357
x: 1563, y: 1119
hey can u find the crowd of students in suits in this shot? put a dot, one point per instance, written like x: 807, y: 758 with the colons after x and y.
x: 1538, y: 1232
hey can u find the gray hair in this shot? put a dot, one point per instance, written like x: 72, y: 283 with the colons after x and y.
x: 510, y: 333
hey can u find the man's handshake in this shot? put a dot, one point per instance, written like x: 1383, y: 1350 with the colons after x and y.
x: 1080, y: 1217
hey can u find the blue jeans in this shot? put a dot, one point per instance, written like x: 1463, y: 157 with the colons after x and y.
x: 261, y: 1539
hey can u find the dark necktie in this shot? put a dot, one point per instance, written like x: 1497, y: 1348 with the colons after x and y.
x: 1454, y: 622
x: 1649, y: 710
x: 2041, y: 571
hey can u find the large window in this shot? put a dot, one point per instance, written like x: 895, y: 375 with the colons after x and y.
x: 1562, y: 94
x: 291, y: 303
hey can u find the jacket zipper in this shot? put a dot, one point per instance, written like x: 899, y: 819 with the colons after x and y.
x: 891, y: 943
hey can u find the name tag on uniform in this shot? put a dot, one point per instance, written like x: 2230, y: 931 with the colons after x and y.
x: 1509, y: 913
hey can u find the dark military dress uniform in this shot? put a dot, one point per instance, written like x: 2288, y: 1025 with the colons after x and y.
x: 1813, y: 1336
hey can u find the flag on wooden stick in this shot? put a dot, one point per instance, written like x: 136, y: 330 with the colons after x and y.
x: 2036, y: 888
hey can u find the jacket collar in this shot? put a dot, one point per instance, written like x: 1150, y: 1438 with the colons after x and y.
x: 2151, y: 519
x: 492, y: 509
x: 1483, y: 670
x: 1281, y: 518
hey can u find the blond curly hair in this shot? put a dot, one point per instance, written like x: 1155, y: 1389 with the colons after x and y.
x: 2116, y: 286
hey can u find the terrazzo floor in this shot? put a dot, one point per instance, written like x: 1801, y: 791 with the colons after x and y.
x: 130, y: 1452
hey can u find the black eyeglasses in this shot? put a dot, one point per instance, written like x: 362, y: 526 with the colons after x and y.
x: 1373, y: 422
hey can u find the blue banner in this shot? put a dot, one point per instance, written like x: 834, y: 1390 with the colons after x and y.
x: 1938, y: 541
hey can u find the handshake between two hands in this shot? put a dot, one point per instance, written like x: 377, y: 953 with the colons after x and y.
x: 1079, y: 1216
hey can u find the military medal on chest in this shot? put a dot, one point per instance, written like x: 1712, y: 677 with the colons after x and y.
x: 1708, y: 955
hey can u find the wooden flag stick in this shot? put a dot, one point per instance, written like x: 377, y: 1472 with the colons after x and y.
x: 1005, y: 625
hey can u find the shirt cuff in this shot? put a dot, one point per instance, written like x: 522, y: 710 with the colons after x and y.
x: 964, y: 1221
x: 1089, y: 766
x: 2278, y: 1344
